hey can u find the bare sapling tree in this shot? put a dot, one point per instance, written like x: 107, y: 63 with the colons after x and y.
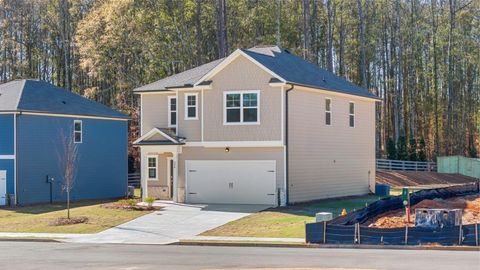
x: 67, y: 159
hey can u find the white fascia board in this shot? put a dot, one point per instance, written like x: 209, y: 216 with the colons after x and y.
x: 229, y: 60
x: 73, y: 116
x: 153, y: 132
x: 219, y: 144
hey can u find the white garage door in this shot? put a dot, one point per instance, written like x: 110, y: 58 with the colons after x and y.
x: 232, y: 181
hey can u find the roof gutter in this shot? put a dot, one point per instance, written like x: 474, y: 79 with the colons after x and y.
x: 287, y: 197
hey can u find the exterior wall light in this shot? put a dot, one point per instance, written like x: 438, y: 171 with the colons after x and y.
x: 227, y: 149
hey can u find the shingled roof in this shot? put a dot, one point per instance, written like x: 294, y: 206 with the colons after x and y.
x: 183, y: 79
x: 289, y: 68
x: 43, y: 97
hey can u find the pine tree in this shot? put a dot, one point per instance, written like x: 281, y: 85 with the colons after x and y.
x: 391, y: 149
x: 422, y: 156
x: 412, y: 150
x: 402, y: 153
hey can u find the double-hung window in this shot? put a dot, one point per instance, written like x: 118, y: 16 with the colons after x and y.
x: 172, y: 112
x: 152, y: 167
x: 242, y: 107
x: 328, y: 112
x: 351, y: 114
x: 77, y: 131
x: 191, y: 106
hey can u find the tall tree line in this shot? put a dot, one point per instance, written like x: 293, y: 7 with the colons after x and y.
x: 421, y: 57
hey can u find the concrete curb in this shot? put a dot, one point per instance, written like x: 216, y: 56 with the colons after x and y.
x: 27, y: 239
x: 304, y: 245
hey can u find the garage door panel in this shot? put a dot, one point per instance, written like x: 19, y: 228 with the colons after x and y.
x: 240, y: 182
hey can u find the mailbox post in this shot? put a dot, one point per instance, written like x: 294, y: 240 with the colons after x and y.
x: 406, y: 202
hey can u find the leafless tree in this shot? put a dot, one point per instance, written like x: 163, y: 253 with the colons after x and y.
x: 67, y: 160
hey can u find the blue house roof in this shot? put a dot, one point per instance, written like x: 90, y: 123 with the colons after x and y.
x: 43, y: 97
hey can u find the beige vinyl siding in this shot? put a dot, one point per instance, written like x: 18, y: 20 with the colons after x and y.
x: 190, y: 129
x: 240, y: 75
x: 240, y: 153
x: 154, y: 111
x: 329, y: 161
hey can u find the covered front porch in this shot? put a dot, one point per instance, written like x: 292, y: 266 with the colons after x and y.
x: 160, y: 149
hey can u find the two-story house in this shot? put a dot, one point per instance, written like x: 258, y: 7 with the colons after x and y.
x: 261, y: 126
x: 40, y: 126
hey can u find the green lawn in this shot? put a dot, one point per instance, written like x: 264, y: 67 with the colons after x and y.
x: 36, y: 219
x: 288, y: 221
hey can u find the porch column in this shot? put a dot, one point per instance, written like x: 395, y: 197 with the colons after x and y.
x: 175, y: 176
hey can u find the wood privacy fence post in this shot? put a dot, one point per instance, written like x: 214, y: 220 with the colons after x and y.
x: 324, y: 232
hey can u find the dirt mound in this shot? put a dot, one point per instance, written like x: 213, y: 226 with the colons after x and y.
x: 397, y: 218
x: 403, y: 178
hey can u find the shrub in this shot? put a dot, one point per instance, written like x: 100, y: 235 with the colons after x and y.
x: 149, y: 200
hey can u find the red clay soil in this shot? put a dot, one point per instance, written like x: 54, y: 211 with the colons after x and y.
x: 397, y: 218
x: 409, y: 179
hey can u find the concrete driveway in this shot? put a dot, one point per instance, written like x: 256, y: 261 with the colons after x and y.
x: 172, y: 223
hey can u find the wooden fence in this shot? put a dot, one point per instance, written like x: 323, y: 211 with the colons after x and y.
x: 134, y: 179
x: 403, y: 165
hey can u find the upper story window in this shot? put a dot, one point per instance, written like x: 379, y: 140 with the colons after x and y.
x: 191, y: 106
x: 172, y: 111
x: 241, y: 107
x: 328, y: 112
x: 351, y: 114
x: 77, y: 131
x: 152, y: 167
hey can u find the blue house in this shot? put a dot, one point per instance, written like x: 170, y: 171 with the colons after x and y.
x: 36, y: 118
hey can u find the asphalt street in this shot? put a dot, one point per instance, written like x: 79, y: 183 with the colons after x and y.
x: 47, y: 255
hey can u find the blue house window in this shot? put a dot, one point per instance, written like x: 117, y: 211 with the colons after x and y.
x: 77, y: 131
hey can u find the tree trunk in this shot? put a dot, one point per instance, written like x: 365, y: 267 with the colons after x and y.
x: 222, y: 28
x: 199, y: 34
x: 329, y: 36
x: 361, y: 31
x: 278, y: 23
x: 306, y: 30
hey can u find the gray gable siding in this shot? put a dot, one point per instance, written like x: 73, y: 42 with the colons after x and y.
x: 102, y: 164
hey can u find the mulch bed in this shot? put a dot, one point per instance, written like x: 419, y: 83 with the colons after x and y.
x: 116, y: 205
x: 68, y: 221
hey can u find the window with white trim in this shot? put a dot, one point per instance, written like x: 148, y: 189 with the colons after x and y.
x: 172, y: 111
x: 77, y: 131
x: 152, y: 168
x: 328, y: 112
x: 191, y: 106
x: 242, y: 107
x: 351, y: 114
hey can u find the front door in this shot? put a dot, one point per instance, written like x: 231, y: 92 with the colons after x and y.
x: 3, y: 187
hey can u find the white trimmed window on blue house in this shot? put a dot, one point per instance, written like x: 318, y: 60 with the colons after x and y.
x: 77, y: 131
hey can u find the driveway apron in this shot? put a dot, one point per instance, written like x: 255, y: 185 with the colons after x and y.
x: 172, y: 223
